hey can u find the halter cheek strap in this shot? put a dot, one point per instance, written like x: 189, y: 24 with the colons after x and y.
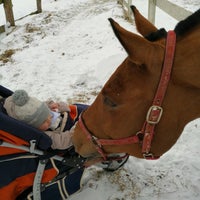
x: 155, y: 111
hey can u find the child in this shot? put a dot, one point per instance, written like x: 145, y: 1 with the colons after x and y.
x: 55, y: 119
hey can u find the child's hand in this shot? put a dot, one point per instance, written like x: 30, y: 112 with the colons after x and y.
x: 63, y: 107
x: 54, y: 107
x: 58, y: 106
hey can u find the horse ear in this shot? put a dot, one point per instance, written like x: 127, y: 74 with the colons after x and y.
x: 143, y: 26
x: 138, y: 48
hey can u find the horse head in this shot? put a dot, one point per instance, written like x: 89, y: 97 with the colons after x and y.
x: 120, y: 110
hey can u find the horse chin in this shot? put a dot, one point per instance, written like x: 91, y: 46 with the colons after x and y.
x: 82, y: 150
x: 86, y: 151
x: 87, y: 154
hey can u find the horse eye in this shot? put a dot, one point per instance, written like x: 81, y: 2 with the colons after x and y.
x: 109, y: 102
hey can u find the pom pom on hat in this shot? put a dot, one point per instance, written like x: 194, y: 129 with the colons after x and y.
x: 20, y: 97
x: 27, y: 109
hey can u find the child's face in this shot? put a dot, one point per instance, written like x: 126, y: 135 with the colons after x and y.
x: 46, y: 124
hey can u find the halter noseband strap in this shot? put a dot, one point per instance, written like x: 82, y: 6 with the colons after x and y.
x: 154, y: 114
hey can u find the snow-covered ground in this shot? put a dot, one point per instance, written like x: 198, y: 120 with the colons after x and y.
x: 68, y: 52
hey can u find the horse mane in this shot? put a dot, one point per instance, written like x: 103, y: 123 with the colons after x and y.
x: 180, y: 29
x: 190, y: 22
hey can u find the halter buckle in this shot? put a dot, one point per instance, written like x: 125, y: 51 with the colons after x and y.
x: 154, y: 114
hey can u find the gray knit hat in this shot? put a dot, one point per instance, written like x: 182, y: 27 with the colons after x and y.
x: 27, y: 109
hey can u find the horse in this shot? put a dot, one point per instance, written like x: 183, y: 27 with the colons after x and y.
x: 146, y: 103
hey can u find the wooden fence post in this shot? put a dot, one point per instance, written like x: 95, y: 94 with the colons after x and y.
x: 2, y: 29
x: 177, y: 12
x: 152, y: 11
x: 9, y: 12
x: 170, y: 8
x: 39, y: 6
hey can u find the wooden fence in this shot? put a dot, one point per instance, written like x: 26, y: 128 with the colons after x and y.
x: 8, y: 8
x: 170, y: 8
x: 126, y: 6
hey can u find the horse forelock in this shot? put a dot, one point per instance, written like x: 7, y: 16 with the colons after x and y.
x: 159, y: 34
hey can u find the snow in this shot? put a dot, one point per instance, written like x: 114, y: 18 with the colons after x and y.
x: 68, y: 52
